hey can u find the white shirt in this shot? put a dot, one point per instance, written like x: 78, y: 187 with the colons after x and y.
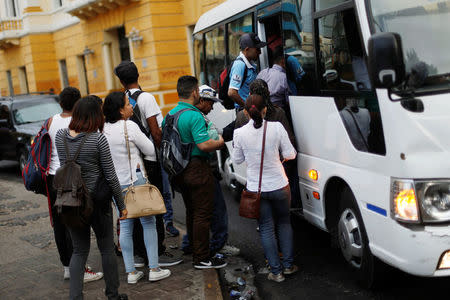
x: 149, y: 108
x: 247, y: 146
x: 115, y: 134
x: 58, y: 123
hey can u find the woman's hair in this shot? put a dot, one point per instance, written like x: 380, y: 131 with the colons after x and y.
x: 254, y: 105
x: 260, y: 87
x: 87, y: 116
x: 111, y: 108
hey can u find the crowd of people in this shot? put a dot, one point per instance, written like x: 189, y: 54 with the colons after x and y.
x: 116, y: 143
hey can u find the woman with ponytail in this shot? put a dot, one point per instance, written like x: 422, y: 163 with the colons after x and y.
x: 275, y: 191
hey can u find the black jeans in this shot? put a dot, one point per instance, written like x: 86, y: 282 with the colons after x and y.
x: 102, y: 224
x: 197, y: 185
x: 62, y: 235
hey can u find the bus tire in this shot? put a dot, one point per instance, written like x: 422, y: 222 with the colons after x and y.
x: 353, y: 241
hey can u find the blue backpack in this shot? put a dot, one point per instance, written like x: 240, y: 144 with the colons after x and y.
x: 36, y: 169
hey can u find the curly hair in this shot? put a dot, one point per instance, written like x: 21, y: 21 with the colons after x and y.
x: 68, y: 97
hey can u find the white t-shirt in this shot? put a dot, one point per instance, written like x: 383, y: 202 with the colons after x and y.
x: 58, y: 123
x: 149, y: 108
x: 247, y: 146
x: 115, y: 134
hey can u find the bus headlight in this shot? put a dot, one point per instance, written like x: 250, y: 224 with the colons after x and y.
x: 403, y: 201
x: 434, y: 198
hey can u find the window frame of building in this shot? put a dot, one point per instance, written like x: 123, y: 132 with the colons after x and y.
x: 23, y: 80
x: 10, y: 82
x: 12, y: 8
x: 63, y: 73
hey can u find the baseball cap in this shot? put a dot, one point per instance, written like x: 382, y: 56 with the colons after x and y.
x: 208, y: 93
x: 250, y: 40
x: 127, y: 71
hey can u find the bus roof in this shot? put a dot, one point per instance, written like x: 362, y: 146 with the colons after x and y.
x: 222, y: 12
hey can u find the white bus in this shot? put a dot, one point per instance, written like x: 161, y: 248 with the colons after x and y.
x: 370, y: 118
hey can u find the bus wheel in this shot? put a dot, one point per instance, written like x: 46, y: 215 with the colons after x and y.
x: 352, y: 239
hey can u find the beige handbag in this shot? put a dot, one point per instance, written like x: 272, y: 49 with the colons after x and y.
x: 142, y: 200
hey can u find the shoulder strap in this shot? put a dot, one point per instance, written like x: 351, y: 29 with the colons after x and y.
x: 262, y: 156
x: 128, y: 148
x: 136, y: 95
x: 245, y: 70
x: 78, y: 150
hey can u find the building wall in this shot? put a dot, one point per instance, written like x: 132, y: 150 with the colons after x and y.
x: 162, y: 56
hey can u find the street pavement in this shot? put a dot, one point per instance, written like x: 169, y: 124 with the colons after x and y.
x: 30, y: 266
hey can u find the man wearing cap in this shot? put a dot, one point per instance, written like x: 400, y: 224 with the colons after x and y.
x: 219, y: 220
x: 250, y: 46
x: 149, y: 118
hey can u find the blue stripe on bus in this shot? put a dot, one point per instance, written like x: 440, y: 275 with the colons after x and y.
x: 377, y: 209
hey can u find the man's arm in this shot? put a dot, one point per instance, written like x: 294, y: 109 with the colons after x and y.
x: 234, y: 95
x: 155, y: 131
x: 211, y: 145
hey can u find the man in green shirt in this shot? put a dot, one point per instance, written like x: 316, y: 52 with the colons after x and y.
x: 197, y: 180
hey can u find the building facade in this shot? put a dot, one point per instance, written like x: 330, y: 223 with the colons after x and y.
x: 51, y: 44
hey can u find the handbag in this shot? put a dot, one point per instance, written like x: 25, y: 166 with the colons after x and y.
x: 250, y: 201
x: 142, y: 200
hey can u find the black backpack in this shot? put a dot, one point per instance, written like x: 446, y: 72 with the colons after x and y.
x: 175, y: 154
x: 224, y: 83
x: 73, y: 202
x: 136, y: 117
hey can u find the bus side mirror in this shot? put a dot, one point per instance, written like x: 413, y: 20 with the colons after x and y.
x: 386, y: 65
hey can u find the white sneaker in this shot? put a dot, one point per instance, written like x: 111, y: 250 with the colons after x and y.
x: 66, y: 273
x: 91, y: 276
x: 230, y: 250
x: 158, y: 275
x: 134, y: 277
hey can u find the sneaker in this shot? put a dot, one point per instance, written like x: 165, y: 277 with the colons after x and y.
x: 230, y: 250
x: 91, y: 276
x: 276, y: 278
x: 167, y: 259
x: 139, y: 262
x: 212, y: 263
x: 171, y: 230
x: 158, y: 275
x: 291, y: 270
x: 135, y: 276
x: 66, y: 273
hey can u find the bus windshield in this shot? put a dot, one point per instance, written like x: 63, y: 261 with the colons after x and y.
x: 423, y: 27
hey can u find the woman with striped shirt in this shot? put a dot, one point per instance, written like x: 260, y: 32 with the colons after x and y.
x: 95, y: 161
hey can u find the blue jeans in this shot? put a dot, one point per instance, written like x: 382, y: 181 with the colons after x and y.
x: 274, y: 215
x: 150, y: 236
x: 219, y: 222
x: 167, y: 196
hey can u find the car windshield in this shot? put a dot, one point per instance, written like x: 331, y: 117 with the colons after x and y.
x: 424, y: 30
x: 35, y: 111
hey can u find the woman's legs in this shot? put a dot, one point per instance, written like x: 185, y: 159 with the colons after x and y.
x: 280, y: 206
x: 150, y: 240
x: 81, y: 244
x: 126, y: 243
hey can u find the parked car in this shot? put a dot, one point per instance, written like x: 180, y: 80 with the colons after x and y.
x: 21, y: 117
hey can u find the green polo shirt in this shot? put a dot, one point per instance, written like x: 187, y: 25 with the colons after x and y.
x: 191, y: 126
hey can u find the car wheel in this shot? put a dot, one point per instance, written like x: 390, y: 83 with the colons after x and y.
x: 353, y: 241
x: 23, y: 158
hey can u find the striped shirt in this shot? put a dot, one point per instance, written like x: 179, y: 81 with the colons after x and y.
x: 94, y: 159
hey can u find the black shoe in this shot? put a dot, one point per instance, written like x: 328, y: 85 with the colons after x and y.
x: 123, y: 297
x: 212, y: 263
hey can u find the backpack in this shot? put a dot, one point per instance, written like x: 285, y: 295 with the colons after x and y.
x: 224, y: 83
x: 136, y: 117
x: 73, y: 202
x: 175, y: 154
x: 35, y: 172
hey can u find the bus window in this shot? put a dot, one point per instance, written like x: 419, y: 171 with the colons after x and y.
x: 215, y: 55
x: 199, y: 62
x: 235, y: 30
x: 344, y: 74
x: 298, y: 46
x: 324, y: 4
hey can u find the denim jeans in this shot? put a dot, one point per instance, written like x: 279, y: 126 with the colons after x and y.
x: 167, y: 196
x: 219, y: 222
x: 102, y: 225
x: 274, y: 215
x: 150, y: 236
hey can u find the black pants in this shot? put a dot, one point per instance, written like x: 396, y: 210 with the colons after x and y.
x: 153, y: 170
x: 102, y: 224
x: 197, y: 185
x: 62, y: 235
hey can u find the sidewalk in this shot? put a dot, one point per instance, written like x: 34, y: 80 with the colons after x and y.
x: 30, y: 266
